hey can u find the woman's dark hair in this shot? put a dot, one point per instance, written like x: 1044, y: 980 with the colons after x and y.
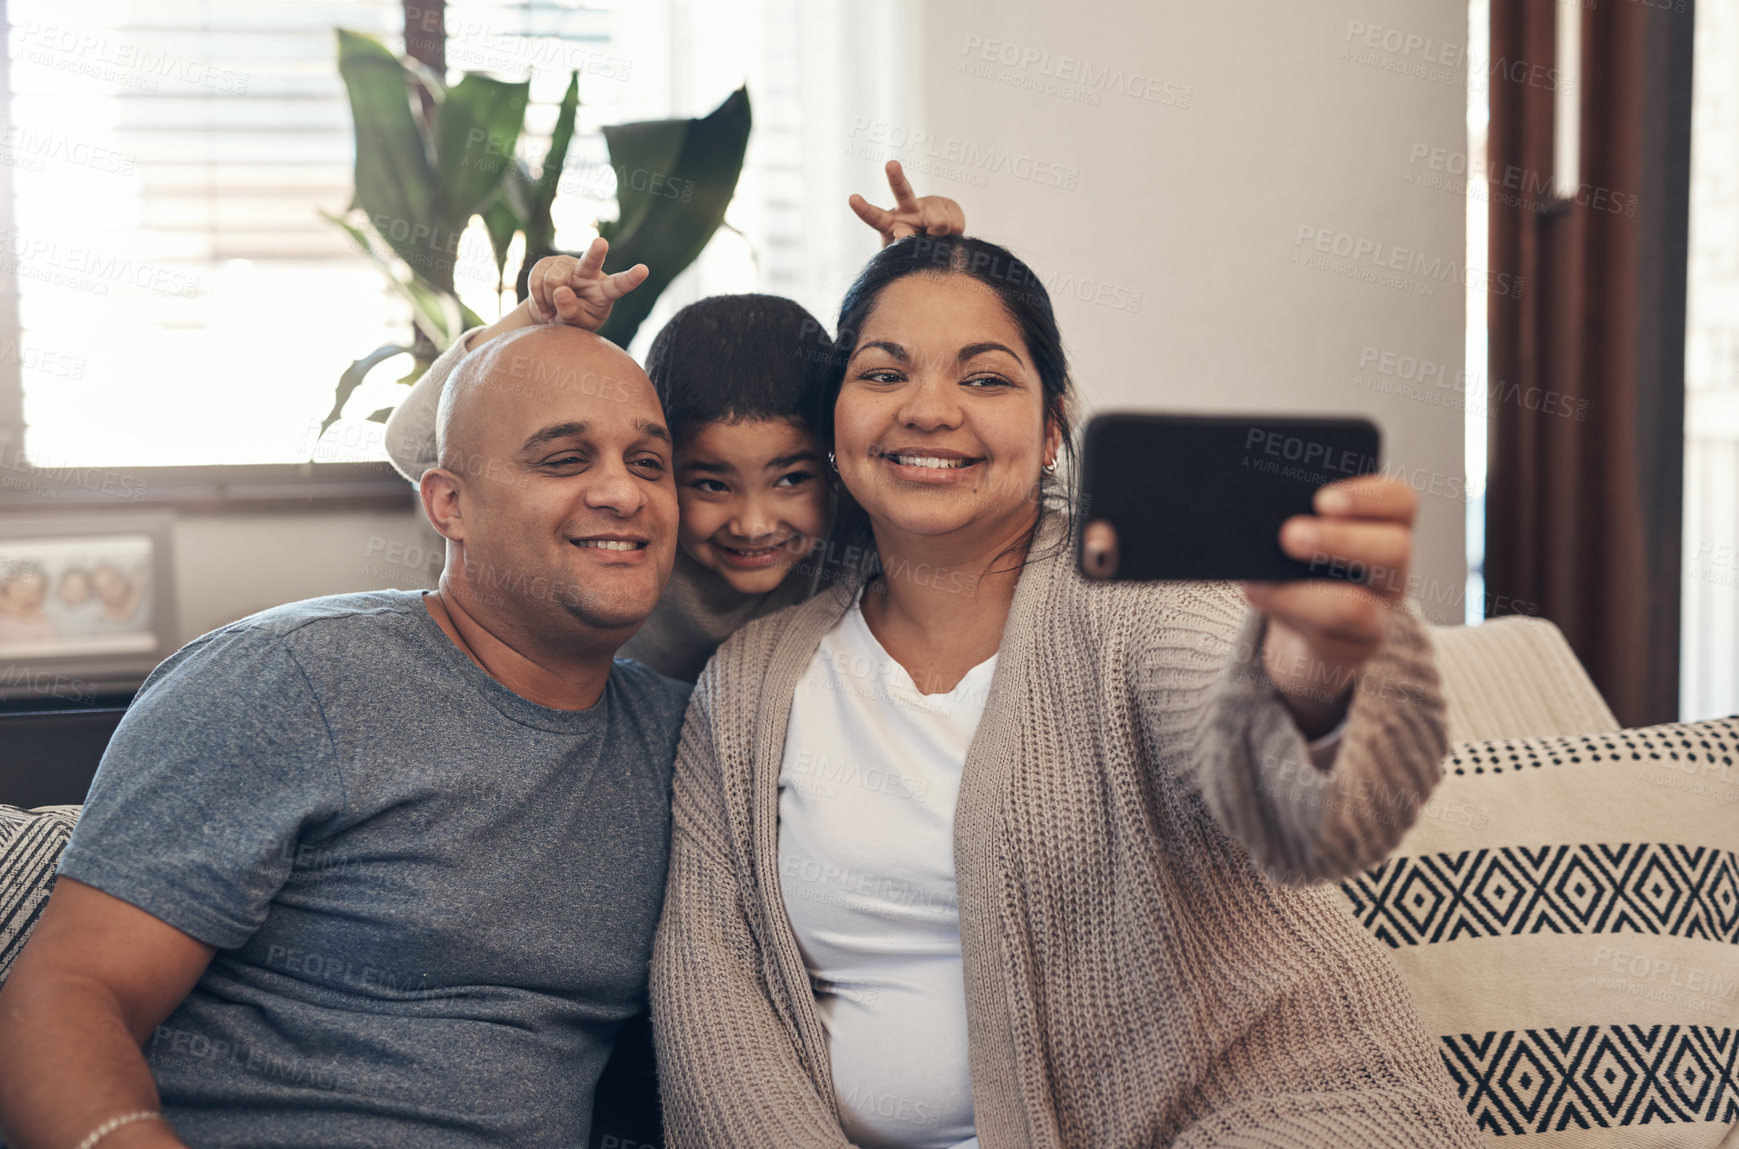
x: 1023, y: 297
x: 733, y: 357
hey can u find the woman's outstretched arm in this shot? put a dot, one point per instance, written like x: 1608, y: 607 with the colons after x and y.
x: 730, y: 1069
x: 1302, y: 819
x: 1312, y: 654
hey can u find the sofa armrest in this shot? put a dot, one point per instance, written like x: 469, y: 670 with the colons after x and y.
x: 1516, y: 677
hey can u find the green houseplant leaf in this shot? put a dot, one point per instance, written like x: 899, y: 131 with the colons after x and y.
x: 540, y: 232
x: 429, y: 157
x: 433, y: 312
x: 502, y: 222
x: 476, y: 128
x: 674, y: 179
x: 395, y: 182
x: 353, y: 377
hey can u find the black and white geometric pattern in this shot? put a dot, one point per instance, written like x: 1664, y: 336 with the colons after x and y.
x: 1593, y: 1076
x: 30, y: 846
x: 1644, y: 888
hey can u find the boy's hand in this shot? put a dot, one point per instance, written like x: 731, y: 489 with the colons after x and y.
x: 562, y: 289
x: 910, y: 215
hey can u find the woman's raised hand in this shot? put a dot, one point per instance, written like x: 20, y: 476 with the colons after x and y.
x: 1320, y: 632
x: 562, y: 289
x: 911, y: 214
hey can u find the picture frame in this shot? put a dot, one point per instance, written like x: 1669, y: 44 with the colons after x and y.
x: 87, y: 604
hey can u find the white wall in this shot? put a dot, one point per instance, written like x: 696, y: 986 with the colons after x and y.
x: 229, y: 566
x: 1199, y: 208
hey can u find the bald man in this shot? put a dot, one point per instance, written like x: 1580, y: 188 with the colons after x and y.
x: 384, y: 869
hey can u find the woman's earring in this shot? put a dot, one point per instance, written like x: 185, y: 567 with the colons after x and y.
x: 832, y: 465
x: 1050, y: 467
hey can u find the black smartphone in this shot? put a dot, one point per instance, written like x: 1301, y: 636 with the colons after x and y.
x: 1203, y: 496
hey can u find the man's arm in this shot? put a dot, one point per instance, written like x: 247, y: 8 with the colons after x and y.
x: 221, y: 764
x: 90, y: 987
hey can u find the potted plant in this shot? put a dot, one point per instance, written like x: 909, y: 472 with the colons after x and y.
x: 430, y: 157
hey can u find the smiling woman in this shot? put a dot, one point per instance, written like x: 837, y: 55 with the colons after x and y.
x: 1015, y: 377
x: 970, y: 846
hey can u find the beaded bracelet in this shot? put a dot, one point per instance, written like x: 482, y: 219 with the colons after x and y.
x: 115, y: 1123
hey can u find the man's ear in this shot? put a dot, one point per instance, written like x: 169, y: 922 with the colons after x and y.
x: 442, y: 492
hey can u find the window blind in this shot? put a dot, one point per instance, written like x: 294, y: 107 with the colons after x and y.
x: 181, y: 299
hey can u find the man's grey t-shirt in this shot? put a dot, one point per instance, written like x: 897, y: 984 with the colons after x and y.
x: 433, y: 901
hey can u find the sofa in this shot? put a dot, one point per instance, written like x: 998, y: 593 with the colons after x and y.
x: 1516, y: 677
x: 1565, y: 910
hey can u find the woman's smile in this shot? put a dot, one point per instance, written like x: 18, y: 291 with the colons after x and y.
x: 929, y: 465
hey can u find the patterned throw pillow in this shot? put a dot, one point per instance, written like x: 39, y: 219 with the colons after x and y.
x: 30, y: 846
x: 1566, y: 912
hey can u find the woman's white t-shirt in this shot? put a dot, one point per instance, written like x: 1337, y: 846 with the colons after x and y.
x: 866, y: 865
x: 867, y: 790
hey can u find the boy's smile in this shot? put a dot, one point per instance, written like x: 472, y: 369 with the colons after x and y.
x: 753, y: 499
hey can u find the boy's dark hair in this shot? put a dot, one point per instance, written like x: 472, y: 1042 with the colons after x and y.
x: 733, y: 357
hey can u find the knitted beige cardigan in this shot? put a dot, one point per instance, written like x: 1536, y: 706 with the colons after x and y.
x: 1133, y: 977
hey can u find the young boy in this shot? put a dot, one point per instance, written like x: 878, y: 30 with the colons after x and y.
x: 738, y: 376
